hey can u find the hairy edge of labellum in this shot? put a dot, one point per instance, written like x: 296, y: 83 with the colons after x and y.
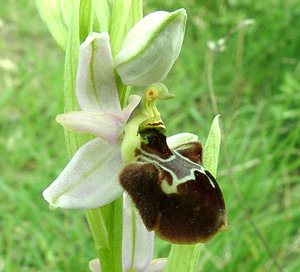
x: 174, y: 194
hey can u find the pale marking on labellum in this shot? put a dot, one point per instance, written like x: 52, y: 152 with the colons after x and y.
x: 180, y: 174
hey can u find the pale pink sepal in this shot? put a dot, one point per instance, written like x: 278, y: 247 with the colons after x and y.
x: 90, y: 179
x: 96, y: 87
x: 138, y: 242
x: 133, y: 102
x: 107, y: 126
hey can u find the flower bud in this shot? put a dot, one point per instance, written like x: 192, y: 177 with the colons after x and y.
x: 151, y: 47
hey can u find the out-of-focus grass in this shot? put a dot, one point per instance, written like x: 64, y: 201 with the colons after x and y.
x: 256, y: 84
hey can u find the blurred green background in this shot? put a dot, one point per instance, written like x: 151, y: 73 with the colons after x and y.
x: 254, y: 84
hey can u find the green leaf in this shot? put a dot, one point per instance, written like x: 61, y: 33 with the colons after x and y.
x: 73, y: 140
x: 71, y: 62
x: 86, y: 18
x: 185, y: 258
x: 212, y: 147
x: 118, y: 23
x: 125, y: 15
x: 102, y: 13
x: 56, y: 14
x: 136, y: 14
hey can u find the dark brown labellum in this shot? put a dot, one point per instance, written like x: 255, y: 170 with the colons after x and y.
x: 176, y: 197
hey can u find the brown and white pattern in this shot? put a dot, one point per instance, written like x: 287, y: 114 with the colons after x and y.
x: 175, y: 195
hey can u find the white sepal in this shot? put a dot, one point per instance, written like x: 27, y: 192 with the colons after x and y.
x: 90, y: 179
x: 138, y: 243
x: 133, y: 102
x: 96, y: 87
x: 151, y: 47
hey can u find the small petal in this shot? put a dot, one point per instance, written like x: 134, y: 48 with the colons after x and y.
x: 157, y: 265
x: 151, y: 47
x: 137, y: 244
x: 133, y: 102
x: 181, y: 138
x: 90, y: 180
x: 94, y: 265
x: 96, y: 88
x: 107, y: 126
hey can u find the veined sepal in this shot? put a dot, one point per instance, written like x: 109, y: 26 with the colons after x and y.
x: 90, y: 179
x: 151, y: 48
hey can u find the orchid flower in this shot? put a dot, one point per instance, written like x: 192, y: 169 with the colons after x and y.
x: 137, y: 244
x: 170, y: 191
x: 90, y: 180
x: 163, y: 176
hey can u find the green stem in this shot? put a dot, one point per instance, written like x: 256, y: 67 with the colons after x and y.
x: 183, y: 258
x: 98, y: 229
x: 101, y: 231
x: 115, y: 232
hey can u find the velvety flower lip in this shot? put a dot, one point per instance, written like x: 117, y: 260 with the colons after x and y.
x: 90, y: 179
x: 176, y: 196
